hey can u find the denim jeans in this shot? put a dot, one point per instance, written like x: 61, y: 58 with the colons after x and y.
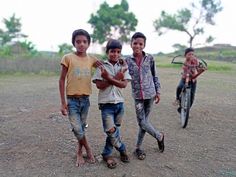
x: 193, y: 86
x: 143, y: 109
x: 112, y: 115
x: 78, y: 108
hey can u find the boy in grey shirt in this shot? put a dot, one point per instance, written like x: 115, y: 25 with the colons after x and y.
x: 110, y: 79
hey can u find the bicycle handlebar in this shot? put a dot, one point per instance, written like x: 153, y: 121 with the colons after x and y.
x: 202, y: 63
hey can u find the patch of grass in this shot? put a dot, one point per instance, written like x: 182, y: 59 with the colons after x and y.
x: 165, y: 62
x: 23, y: 74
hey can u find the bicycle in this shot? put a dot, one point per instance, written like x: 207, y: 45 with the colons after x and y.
x: 185, y: 95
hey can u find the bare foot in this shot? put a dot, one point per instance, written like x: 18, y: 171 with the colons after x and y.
x: 80, y: 160
x: 91, y: 158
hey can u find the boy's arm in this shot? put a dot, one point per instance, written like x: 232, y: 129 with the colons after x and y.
x: 198, y: 70
x: 101, y: 84
x: 155, y: 78
x: 97, y: 63
x: 113, y: 80
x: 118, y: 83
x: 62, y: 79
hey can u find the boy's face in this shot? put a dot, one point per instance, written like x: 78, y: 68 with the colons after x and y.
x: 189, y: 55
x: 114, y: 54
x: 138, y: 45
x: 81, y: 43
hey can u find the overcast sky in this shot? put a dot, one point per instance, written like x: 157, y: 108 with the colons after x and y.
x: 49, y: 23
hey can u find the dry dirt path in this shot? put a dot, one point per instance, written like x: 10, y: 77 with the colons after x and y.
x: 35, y: 139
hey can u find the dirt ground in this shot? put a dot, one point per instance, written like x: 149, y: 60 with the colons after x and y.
x: 35, y: 140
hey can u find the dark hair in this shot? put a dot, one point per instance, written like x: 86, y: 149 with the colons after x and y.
x: 188, y: 50
x: 113, y: 44
x: 80, y: 32
x: 138, y: 35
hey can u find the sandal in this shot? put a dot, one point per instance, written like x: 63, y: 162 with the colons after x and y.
x: 124, y: 157
x: 161, y: 144
x: 111, y: 163
x: 140, y: 154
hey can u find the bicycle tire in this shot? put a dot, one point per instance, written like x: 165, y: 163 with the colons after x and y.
x: 185, y: 107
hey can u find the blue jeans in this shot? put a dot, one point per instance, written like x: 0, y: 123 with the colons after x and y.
x: 78, y: 108
x: 193, y: 86
x: 143, y: 109
x: 112, y: 115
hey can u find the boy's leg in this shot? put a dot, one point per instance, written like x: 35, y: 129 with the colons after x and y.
x: 178, y: 91
x: 107, y: 121
x: 89, y: 152
x: 78, y: 111
x: 85, y: 104
x: 79, y: 156
x: 108, y: 148
x: 77, y: 129
x: 193, y: 91
x: 139, y: 108
x: 179, y: 88
x: 110, y: 117
x: 143, y: 109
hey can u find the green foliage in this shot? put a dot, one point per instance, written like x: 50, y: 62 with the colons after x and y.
x: 112, y: 22
x: 5, y: 51
x: 190, y: 21
x: 25, y: 48
x: 211, y: 7
x: 179, y: 47
x: 29, y: 47
x: 65, y: 48
x: 13, y: 26
x: 10, y: 43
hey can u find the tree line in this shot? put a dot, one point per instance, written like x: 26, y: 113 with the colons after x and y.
x: 118, y: 22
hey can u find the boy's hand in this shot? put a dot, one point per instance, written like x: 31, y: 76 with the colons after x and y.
x: 98, y: 63
x: 104, y: 73
x: 157, y: 98
x: 119, y: 76
x: 64, y: 109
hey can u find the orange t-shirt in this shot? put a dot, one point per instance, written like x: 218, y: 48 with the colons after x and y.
x: 79, y: 73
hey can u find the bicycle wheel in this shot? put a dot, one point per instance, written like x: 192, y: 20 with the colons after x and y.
x: 185, y: 106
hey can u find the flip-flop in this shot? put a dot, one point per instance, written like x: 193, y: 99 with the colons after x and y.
x: 140, y: 154
x: 124, y: 157
x: 161, y: 144
x: 111, y: 163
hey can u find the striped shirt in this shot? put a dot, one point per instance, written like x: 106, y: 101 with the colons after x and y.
x: 145, y: 82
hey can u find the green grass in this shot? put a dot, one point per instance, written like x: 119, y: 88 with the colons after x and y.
x: 23, y: 74
x: 165, y: 62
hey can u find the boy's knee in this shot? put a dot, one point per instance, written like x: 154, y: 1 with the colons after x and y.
x: 78, y: 134
x: 143, y: 124
x: 112, y: 130
x: 114, y: 137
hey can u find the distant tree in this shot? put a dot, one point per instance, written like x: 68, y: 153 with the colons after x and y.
x: 12, y: 40
x: 13, y: 30
x: 190, y: 21
x: 65, y: 48
x: 28, y: 46
x: 113, y: 22
x: 179, y: 47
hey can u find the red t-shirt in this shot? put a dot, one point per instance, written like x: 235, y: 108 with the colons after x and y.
x: 190, y: 67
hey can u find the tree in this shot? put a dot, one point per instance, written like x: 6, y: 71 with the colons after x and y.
x: 190, y: 21
x: 65, y: 48
x: 13, y: 30
x: 113, y: 22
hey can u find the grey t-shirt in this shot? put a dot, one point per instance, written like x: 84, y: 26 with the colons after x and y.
x: 111, y: 94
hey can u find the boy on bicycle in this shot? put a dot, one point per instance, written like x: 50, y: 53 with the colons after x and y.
x: 189, y: 68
